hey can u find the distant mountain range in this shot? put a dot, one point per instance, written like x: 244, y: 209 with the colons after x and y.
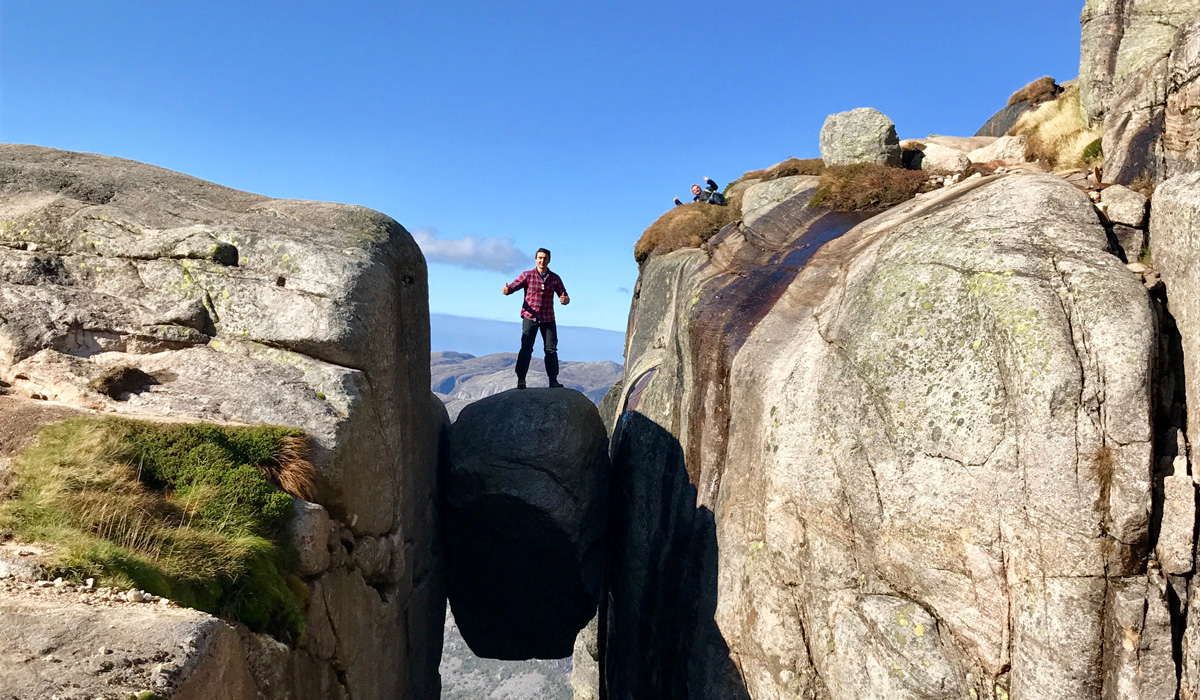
x: 480, y: 336
x: 458, y: 378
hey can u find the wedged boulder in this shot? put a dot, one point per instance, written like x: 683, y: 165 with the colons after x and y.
x: 924, y: 455
x: 130, y: 289
x: 862, y: 135
x: 526, y: 496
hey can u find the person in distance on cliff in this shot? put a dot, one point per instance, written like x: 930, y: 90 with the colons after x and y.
x: 537, y: 314
x: 709, y: 194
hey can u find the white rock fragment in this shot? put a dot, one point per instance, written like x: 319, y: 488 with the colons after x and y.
x: 1124, y: 206
x: 1174, y: 547
x: 309, y: 531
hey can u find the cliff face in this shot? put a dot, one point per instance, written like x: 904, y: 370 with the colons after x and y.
x: 920, y: 465
x: 230, y: 307
x: 1137, y: 69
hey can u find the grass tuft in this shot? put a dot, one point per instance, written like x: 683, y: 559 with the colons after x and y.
x: 1144, y: 184
x: 1037, y: 92
x: 1057, y: 132
x: 184, y: 511
x: 866, y: 186
x: 686, y: 226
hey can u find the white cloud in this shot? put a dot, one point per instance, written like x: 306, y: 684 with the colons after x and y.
x: 472, y: 252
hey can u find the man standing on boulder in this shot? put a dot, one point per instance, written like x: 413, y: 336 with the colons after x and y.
x: 537, y: 314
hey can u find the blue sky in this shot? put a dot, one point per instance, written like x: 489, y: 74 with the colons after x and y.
x: 564, y: 125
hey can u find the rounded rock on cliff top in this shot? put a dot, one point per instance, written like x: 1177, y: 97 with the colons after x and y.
x: 862, y: 135
x: 526, y: 502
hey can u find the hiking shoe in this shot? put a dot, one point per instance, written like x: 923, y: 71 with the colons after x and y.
x: 555, y: 385
x: 520, y: 383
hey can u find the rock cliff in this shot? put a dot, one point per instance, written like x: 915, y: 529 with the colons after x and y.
x: 1137, y: 68
x: 130, y: 289
x: 917, y: 463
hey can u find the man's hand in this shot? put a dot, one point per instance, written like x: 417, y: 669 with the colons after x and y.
x: 564, y: 299
x: 505, y: 290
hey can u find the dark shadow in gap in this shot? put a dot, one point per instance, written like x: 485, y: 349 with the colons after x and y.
x: 658, y: 636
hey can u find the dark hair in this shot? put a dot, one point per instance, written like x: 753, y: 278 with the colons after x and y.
x: 543, y: 250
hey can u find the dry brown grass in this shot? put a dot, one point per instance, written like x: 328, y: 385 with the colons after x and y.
x: 1057, y: 132
x: 686, y: 226
x: 691, y: 225
x: 866, y: 186
x: 1144, y: 184
x: 1104, y: 466
x: 1037, y: 92
x: 291, y: 469
x: 789, y: 167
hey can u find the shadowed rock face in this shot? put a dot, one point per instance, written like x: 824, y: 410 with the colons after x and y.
x: 526, y: 503
x: 926, y: 456
x: 1004, y: 119
x: 1176, y: 237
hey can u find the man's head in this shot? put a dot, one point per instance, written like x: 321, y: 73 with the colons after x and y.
x: 695, y: 189
x: 542, y: 259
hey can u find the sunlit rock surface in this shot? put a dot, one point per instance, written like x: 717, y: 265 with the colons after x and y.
x: 918, y: 466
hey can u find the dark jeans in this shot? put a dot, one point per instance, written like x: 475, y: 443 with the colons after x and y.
x: 529, y: 330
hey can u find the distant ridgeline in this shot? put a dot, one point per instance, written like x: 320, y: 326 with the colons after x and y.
x: 459, y: 378
x: 481, y: 336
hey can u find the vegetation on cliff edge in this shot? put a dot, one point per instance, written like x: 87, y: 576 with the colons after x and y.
x: 686, y: 226
x: 191, y: 512
x: 1037, y: 92
x: 691, y: 225
x: 788, y: 168
x: 866, y: 186
x: 1058, y: 134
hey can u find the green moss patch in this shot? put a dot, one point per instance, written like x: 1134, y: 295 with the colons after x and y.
x: 192, y: 512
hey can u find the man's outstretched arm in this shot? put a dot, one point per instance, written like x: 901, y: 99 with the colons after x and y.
x: 516, y: 285
x: 563, y: 298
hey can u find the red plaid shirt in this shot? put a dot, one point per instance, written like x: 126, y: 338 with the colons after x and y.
x: 539, y: 294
